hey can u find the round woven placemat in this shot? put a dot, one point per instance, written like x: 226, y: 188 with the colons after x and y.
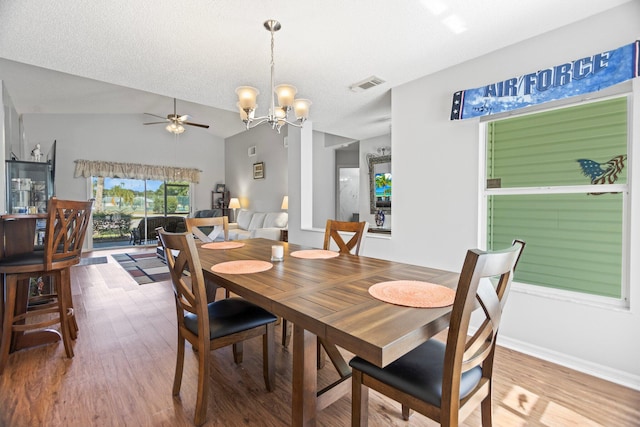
x: 223, y: 245
x: 413, y: 293
x: 314, y: 254
x: 241, y: 267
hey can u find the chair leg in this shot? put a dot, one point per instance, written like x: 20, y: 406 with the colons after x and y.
x: 486, y: 410
x: 203, y: 385
x: 286, y: 333
x: 268, y: 357
x: 359, y: 401
x: 406, y: 412
x: 10, y: 286
x: 62, y: 278
x: 73, y: 323
x: 177, y: 378
x: 238, y: 352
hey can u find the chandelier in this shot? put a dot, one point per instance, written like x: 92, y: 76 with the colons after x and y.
x: 278, y: 115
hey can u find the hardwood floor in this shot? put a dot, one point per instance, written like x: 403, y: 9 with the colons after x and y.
x: 122, y: 375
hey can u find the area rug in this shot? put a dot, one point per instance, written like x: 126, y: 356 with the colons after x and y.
x: 93, y: 260
x: 144, y: 267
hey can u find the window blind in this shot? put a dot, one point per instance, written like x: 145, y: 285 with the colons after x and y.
x: 574, y: 241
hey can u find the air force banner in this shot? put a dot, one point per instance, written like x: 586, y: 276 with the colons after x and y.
x: 584, y: 75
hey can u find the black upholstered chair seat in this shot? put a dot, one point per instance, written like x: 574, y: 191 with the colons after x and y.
x: 30, y: 258
x: 419, y: 373
x: 229, y: 316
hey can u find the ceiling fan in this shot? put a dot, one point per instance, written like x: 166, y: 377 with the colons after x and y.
x: 175, y: 121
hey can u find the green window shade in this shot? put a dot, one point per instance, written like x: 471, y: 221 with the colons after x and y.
x: 542, y: 149
x: 574, y: 241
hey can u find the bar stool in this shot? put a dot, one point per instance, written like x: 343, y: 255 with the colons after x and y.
x: 66, y: 226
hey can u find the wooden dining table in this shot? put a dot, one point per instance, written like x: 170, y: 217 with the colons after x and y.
x: 329, y: 299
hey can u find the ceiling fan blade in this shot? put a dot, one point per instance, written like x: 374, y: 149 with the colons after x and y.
x: 155, y: 115
x: 196, y: 124
x: 155, y: 123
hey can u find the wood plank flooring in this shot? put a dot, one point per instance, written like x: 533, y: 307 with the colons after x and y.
x: 122, y: 375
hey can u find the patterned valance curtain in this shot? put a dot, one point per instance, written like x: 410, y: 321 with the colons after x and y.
x: 89, y: 168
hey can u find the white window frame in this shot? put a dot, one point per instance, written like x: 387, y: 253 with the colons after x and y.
x: 621, y: 303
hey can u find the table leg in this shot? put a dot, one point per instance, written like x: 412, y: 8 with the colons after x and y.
x: 305, y: 378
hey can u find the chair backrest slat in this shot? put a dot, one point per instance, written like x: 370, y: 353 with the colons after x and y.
x: 355, y: 243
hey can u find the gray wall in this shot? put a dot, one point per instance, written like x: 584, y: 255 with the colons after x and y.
x: 263, y: 195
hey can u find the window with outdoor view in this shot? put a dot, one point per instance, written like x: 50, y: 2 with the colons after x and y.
x: 121, y: 204
x: 558, y: 180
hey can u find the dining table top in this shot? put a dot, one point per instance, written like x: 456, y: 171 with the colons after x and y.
x: 330, y: 298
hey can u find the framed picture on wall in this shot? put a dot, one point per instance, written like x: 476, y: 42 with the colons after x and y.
x: 258, y: 170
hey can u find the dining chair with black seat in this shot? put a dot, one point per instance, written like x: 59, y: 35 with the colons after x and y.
x: 207, y: 230
x: 210, y: 326
x: 446, y: 382
x: 356, y: 242
x: 66, y: 225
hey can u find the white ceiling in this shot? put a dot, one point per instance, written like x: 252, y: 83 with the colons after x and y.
x: 117, y: 56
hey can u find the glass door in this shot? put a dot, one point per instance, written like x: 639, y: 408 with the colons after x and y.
x: 123, y: 207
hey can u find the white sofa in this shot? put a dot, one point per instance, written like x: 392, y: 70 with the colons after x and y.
x: 249, y: 224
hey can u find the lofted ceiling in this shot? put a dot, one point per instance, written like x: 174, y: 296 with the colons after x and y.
x: 74, y: 56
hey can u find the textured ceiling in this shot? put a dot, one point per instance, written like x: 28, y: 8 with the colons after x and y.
x: 117, y: 56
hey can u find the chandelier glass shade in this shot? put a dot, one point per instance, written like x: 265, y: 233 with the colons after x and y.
x: 278, y: 114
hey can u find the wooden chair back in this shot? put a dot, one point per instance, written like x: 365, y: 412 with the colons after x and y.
x: 484, y: 283
x: 189, y: 289
x: 355, y: 243
x: 67, y: 223
x: 196, y: 226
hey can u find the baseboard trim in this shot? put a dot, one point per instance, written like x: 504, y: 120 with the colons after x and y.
x: 581, y: 365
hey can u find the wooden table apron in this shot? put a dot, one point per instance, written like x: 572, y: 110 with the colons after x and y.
x: 329, y: 299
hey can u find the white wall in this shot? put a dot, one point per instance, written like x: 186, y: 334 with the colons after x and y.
x: 123, y: 138
x: 435, y: 165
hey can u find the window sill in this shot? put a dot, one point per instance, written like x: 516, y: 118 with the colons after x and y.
x: 621, y: 305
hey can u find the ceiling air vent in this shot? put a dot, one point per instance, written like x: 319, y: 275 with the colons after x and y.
x: 367, y: 83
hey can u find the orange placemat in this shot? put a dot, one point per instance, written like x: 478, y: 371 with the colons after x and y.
x: 315, y: 254
x: 223, y: 245
x: 412, y: 293
x: 241, y: 267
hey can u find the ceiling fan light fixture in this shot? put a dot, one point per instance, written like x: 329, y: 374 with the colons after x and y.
x: 175, y: 121
x: 277, y: 115
x: 175, y: 128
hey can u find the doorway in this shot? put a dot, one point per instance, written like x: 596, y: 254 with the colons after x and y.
x: 348, y: 197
